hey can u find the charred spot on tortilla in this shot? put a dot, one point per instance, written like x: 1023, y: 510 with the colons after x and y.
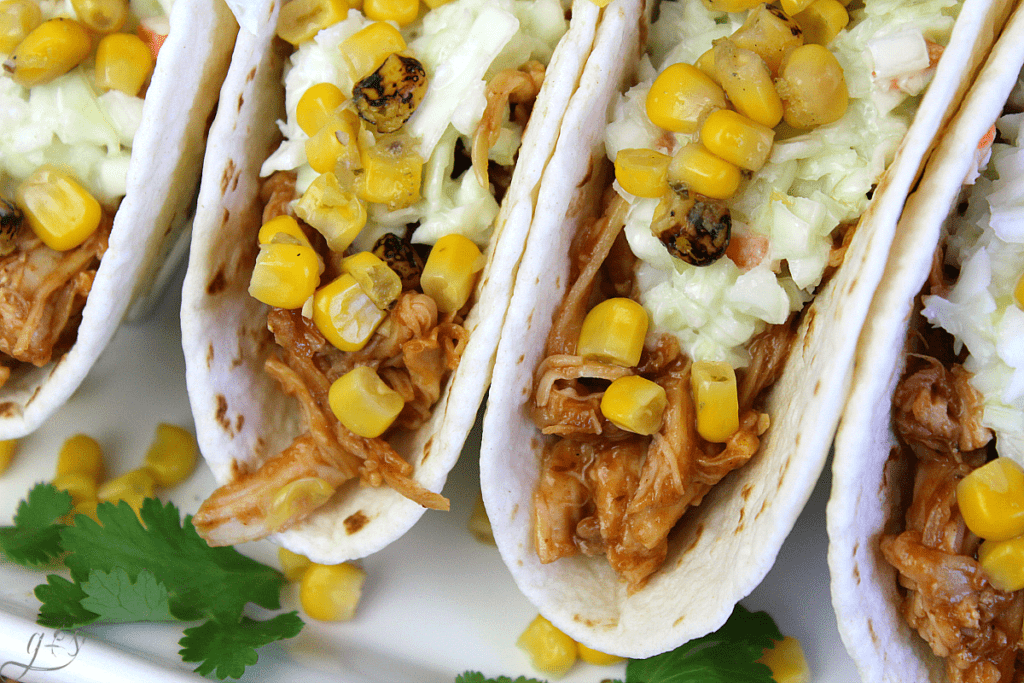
x: 8, y: 409
x: 694, y: 229
x: 401, y: 257
x: 388, y: 97
x: 251, y: 75
x: 225, y: 179
x: 817, y: 387
x: 221, y: 414
x: 764, y: 506
x: 426, y: 449
x: 11, y: 220
x: 355, y: 522
x: 856, y: 573
x: 697, y: 533
x: 745, y: 493
x: 218, y: 284
x: 209, y: 355
x: 239, y: 422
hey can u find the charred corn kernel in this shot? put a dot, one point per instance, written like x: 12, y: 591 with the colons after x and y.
x: 737, y: 139
x: 787, y: 662
x: 300, y: 20
x: 591, y: 656
x: 379, y: 282
x: 316, y: 106
x: 402, y: 12
x: 991, y: 499
x: 367, y: 48
x: 123, y: 62
x: 731, y: 5
x: 81, y: 453
x: 364, y: 403
x: 102, y: 16
x: 336, y: 141
x: 87, y: 508
x: 822, y: 21
x: 59, y: 210
x: 293, y: 565
x: 17, y: 19
x: 706, y: 64
x: 550, y: 650
x: 451, y: 271
x: 1018, y: 292
x: 132, y: 487
x: 297, y: 497
x: 681, y: 96
x: 703, y: 172
x: 1003, y: 562
x: 51, y: 49
x: 344, y: 314
x: 634, y: 404
x: 331, y: 592
x: 171, y: 457
x: 334, y: 212
x: 770, y: 34
x: 7, y: 449
x: 747, y: 81
x: 79, y: 484
x: 642, y: 172
x: 714, y: 396
x: 285, y: 275
x: 613, y: 332
x: 392, y: 171
x: 812, y: 83
x: 272, y: 231
x: 792, y: 7
x: 480, y: 524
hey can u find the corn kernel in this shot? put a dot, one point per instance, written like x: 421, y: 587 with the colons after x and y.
x: 703, y: 172
x: 731, y: 5
x: 681, y: 96
x: 591, y: 656
x: 1018, y: 291
x: 272, y: 231
x: 434, y: 4
x: 171, y: 457
x: 479, y: 524
x: 379, y: 282
x: 87, y: 508
x: 285, y: 275
x: 364, y: 403
x: 81, y: 453
x: 300, y: 20
x: 59, y: 210
x: 336, y: 141
x: 7, y: 449
x: 344, y: 314
x: 102, y: 16
x: 550, y: 650
x: 334, y: 212
x: 392, y: 171
x: 642, y: 172
x: 79, y: 484
x: 1003, y: 562
x: 991, y: 499
x: 635, y: 404
x: 714, y: 394
x: 812, y: 83
x: 792, y: 7
x: 614, y: 332
x: 297, y: 498
x: 331, y: 592
x: 770, y: 34
x: 123, y: 62
x: 366, y: 49
x: 402, y: 12
x: 51, y: 49
x: 451, y: 271
x: 316, y: 106
x: 822, y: 21
x: 787, y: 662
x: 706, y: 64
x: 17, y: 19
x: 747, y: 81
x: 737, y: 139
x: 132, y: 487
x: 293, y: 565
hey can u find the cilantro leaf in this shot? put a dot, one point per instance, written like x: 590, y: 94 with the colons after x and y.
x: 118, y: 599
x: 228, y: 648
x: 477, y: 677
x: 35, y: 537
x: 62, y: 604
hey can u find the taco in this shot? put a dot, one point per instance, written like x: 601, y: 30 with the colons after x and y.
x: 279, y: 390
x: 758, y: 293
x: 936, y: 409
x: 118, y: 149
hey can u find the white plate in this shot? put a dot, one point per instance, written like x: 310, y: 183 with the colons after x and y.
x: 436, y: 603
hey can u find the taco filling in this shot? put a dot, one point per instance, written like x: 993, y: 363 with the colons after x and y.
x: 742, y: 165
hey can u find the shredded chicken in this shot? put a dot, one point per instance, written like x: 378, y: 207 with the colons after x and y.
x: 516, y: 86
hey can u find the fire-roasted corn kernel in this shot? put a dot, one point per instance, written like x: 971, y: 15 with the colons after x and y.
x: 171, y: 457
x: 297, y: 498
x: 316, y: 106
x: 642, y: 172
x: 132, y: 487
x: 123, y: 62
x: 379, y: 282
x: 334, y: 212
x: 770, y: 34
x: 550, y: 650
x: 7, y: 448
x: 991, y: 499
x: 731, y: 5
x: 613, y: 332
x: 81, y: 453
x: 812, y: 84
x: 635, y: 404
x: 392, y: 171
x: 737, y: 139
x: 293, y: 565
x: 1003, y: 562
x: 102, y: 16
x: 285, y: 275
x: 681, y: 96
x: 402, y: 12
x: 17, y: 19
x: 702, y: 172
x: 822, y: 21
x: 331, y: 592
x: 747, y: 81
x: 364, y: 403
x: 79, y: 484
x: 336, y: 140
x: 367, y: 48
x: 277, y: 228
x: 51, y: 49
x: 787, y: 662
x: 59, y: 210
x: 591, y: 656
x: 715, y: 398
x: 300, y: 20
x: 344, y: 314
x: 451, y: 272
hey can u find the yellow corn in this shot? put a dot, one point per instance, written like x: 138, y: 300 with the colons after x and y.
x: 331, y: 592
x: 747, y: 81
x: 434, y: 4
x: 991, y: 499
x: 392, y: 170
x: 1003, y: 562
x: 731, y: 5
x: 402, y: 12
x: 123, y: 62
x: 316, y: 106
x: 51, y: 49
x: 714, y: 395
x: 132, y: 487
x: 550, y: 650
x: 703, y: 172
x: 591, y: 656
x: 792, y: 7
x: 17, y: 19
x: 300, y: 20
x: 79, y: 484
x: 367, y: 48
x: 87, y: 508
x: 7, y: 449
x: 102, y: 16
x: 812, y: 83
x: 296, y: 498
x: 642, y: 172
x: 634, y: 404
x: 59, y: 210
x: 480, y: 524
x: 364, y: 403
x: 344, y: 314
x: 293, y: 565
x: 336, y: 141
x: 1018, y: 292
x: 451, y: 271
x: 334, y: 212
x: 822, y: 21
x: 285, y: 275
x: 379, y: 282
x: 737, y: 139
x: 787, y: 662
x: 770, y: 34
x: 613, y: 332
x: 681, y: 96
x: 171, y: 457
x: 706, y: 64
x: 275, y: 228
x: 81, y: 453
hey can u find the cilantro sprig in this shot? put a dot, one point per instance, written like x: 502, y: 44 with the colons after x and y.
x: 35, y: 537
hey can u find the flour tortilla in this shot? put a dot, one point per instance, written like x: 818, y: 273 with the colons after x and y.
x: 153, y: 216
x: 242, y: 418
x: 869, y: 490
x: 721, y: 550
